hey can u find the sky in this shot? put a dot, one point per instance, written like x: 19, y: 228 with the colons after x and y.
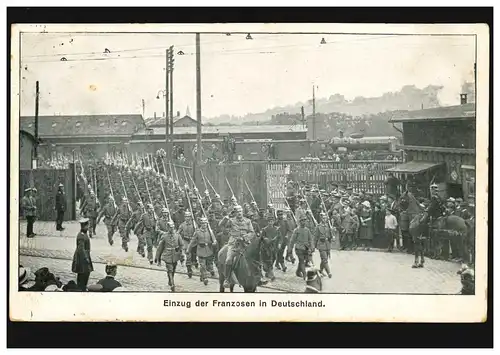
x: 238, y: 75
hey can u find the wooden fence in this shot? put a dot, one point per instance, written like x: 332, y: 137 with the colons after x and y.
x: 267, y: 179
x: 361, y: 175
x: 46, y: 181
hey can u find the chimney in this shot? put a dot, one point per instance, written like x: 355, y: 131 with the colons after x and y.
x: 155, y: 115
x: 178, y: 113
x: 163, y: 114
x: 463, y: 99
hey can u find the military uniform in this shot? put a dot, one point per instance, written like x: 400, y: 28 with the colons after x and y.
x: 90, y: 208
x: 60, y: 209
x: 82, y: 263
x: 240, y: 233
x: 123, y: 217
x: 323, y: 239
x: 109, y: 211
x: 302, y: 239
x: 203, y: 242
x: 170, y: 251
x: 272, y: 239
x: 285, y: 231
x: 186, y: 231
x: 28, y: 204
x: 149, y: 225
x: 131, y: 225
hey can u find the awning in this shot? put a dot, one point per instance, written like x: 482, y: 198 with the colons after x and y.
x: 413, y: 167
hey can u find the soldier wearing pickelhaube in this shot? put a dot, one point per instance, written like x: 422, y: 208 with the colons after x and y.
x: 272, y: 238
x: 285, y: 232
x: 163, y: 220
x: 302, y: 240
x: 149, y: 225
x: 135, y: 225
x: 169, y: 251
x: 186, y: 231
x: 323, y: 238
x: 178, y: 214
x: 204, y: 242
x: 90, y: 210
x: 109, y: 211
x: 124, y: 215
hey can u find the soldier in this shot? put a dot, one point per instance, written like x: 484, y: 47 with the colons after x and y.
x: 149, y: 224
x: 285, y: 232
x: 204, y: 243
x: 164, y: 218
x: 302, y: 240
x: 292, y: 224
x: 133, y: 223
x: 254, y: 219
x: 60, y: 207
x: 273, y: 238
x: 186, y: 231
x: 240, y: 232
x: 123, y: 217
x: 178, y: 215
x: 109, y: 211
x: 90, y: 208
x: 170, y: 251
x: 28, y: 204
x: 323, y: 238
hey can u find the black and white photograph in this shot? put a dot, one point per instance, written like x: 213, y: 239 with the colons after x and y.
x: 223, y: 160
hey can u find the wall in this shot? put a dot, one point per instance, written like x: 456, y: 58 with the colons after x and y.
x: 26, y: 147
x: 46, y: 181
x: 453, y: 162
x: 448, y: 133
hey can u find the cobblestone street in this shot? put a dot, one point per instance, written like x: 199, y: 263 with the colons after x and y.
x: 353, y: 271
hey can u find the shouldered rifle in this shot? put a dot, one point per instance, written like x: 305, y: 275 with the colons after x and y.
x: 230, y: 188
x: 293, y: 216
x: 213, y: 189
x: 309, y: 209
x: 150, y: 199
x: 125, y: 192
x: 212, y: 235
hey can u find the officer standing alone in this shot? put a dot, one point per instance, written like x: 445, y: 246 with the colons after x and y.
x: 60, y: 207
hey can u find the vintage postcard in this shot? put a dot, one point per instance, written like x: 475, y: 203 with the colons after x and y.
x: 249, y: 172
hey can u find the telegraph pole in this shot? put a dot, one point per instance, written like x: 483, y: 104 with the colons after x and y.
x: 172, y: 92
x: 314, y: 114
x: 35, y: 151
x: 198, y: 102
x: 167, y: 131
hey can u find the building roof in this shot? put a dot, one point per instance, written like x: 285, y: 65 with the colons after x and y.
x: 414, y: 167
x: 161, y: 121
x: 229, y: 129
x: 466, y: 111
x: 83, y: 125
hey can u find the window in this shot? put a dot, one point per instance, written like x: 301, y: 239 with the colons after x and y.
x: 54, y: 124
x: 124, y: 123
x: 101, y: 124
x: 78, y: 124
x: 30, y: 125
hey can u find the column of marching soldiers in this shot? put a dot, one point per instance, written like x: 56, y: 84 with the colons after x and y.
x: 145, y: 197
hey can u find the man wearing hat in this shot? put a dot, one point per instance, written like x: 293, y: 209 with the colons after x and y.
x: 132, y: 223
x: 90, y: 210
x: 186, y: 231
x: 170, y: 251
x: 285, y: 231
x: 148, y: 220
x: 109, y: 283
x: 272, y: 239
x: 109, y: 211
x: 28, y: 204
x: 82, y: 263
x: 240, y: 228
x: 204, y: 243
x: 313, y: 281
x: 323, y: 238
x: 302, y: 240
x: 60, y: 207
x: 124, y: 214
